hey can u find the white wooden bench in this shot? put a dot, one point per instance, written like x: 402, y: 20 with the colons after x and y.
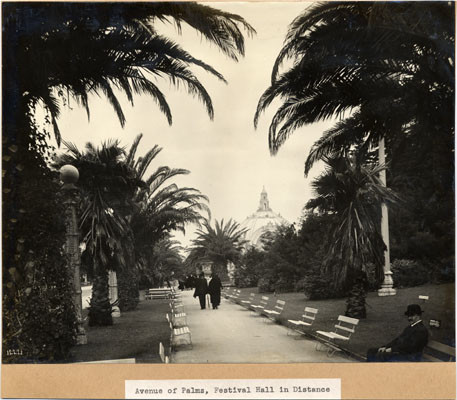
x: 180, y: 336
x: 343, y: 332
x: 261, y: 306
x: 162, y: 355
x: 176, y: 308
x: 308, y: 318
x: 227, y: 292
x: 424, y: 298
x: 119, y: 361
x: 274, y: 313
x: 249, y: 301
x: 438, y: 352
x: 176, y: 304
x: 159, y: 293
x: 179, y: 319
x: 235, y: 295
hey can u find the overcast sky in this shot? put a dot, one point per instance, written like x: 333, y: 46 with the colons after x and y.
x: 229, y: 161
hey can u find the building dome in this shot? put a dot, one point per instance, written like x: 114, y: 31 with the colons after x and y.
x: 262, y: 221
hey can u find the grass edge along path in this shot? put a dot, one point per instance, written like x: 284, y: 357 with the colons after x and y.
x: 385, y: 315
x: 135, y: 334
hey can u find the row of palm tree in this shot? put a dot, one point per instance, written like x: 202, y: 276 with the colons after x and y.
x: 58, y: 52
x: 384, y: 70
x: 125, y: 216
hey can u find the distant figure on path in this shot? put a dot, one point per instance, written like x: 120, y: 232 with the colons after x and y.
x: 201, y: 289
x: 190, y: 282
x: 214, y: 290
x: 409, y: 345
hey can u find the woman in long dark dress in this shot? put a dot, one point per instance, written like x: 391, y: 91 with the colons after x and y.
x: 214, y: 290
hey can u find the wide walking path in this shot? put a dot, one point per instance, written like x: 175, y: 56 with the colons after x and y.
x: 231, y: 334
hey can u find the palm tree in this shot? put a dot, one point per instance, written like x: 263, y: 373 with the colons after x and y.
x: 352, y: 191
x: 83, y: 49
x: 222, y: 244
x: 107, y: 185
x: 161, y: 207
x: 90, y: 48
x: 367, y: 64
x: 54, y: 52
x: 164, y: 262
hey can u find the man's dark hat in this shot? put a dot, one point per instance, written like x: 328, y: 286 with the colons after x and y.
x: 413, y: 309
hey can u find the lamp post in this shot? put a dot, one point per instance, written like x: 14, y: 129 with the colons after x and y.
x: 387, y: 286
x: 69, y: 175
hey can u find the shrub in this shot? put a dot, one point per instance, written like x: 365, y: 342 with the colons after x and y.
x: 300, y: 285
x: 128, y: 287
x: 283, y: 285
x: 408, y: 273
x: 266, y: 285
x: 443, y: 270
x: 38, y: 315
x: 317, y: 286
x: 243, y: 280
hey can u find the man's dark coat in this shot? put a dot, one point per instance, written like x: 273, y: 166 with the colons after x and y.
x: 410, y: 344
x: 214, y: 290
x: 406, y: 347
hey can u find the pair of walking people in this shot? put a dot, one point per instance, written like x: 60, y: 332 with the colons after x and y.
x: 212, y: 287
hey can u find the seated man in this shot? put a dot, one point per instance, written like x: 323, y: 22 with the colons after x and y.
x: 409, y: 345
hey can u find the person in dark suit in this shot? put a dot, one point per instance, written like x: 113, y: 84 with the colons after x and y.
x: 409, y: 345
x: 201, y: 289
x: 214, y: 290
x: 190, y: 281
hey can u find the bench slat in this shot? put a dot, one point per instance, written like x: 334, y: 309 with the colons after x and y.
x: 344, y: 328
x: 443, y: 348
x: 428, y: 357
x: 348, y: 320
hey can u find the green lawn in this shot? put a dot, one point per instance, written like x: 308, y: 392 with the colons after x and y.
x: 136, y: 334
x: 385, y: 319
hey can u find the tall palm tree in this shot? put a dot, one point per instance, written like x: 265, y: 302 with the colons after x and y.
x: 107, y: 185
x: 161, y: 207
x: 90, y: 48
x: 82, y: 49
x: 382, y: 70
x: 222, y: 244
x: 350, y: 188
x: 164, y: 262
x: 53, y: 52
x: 366, y: 63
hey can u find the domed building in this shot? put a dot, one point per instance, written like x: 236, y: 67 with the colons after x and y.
x: 262, y: 221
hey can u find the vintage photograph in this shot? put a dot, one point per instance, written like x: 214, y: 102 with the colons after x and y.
x: 220, y: 183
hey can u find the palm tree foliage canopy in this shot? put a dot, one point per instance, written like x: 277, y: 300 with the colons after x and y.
x: 221, y: 244
x: 165, y: 258
x: 350, y: 188
x: 367, y: 63
x: 79, y: 49
x: 108, y: 185
x: 162, y: 206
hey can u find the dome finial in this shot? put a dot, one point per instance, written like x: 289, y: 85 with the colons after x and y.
x: 264, y: 204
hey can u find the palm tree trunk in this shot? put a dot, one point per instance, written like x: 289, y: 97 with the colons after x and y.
x: 100, y: 306
x: 355, y: 304
x: 221, y: 271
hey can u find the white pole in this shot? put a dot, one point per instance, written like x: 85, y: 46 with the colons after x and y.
x: 387, y: 286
